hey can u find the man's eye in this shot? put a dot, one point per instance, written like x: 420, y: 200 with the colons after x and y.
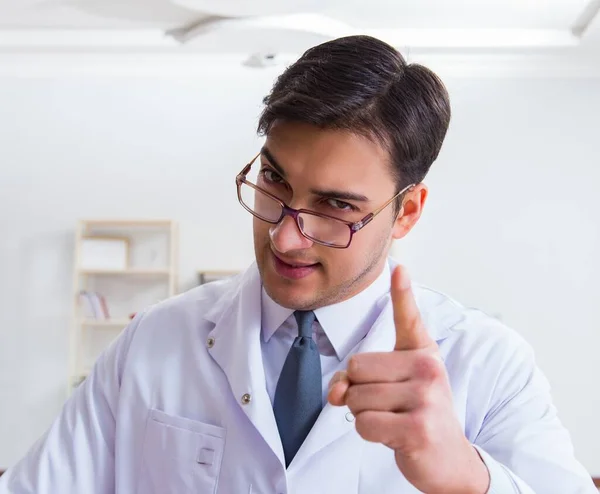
x: 340, y: 205
x: 272, y: 176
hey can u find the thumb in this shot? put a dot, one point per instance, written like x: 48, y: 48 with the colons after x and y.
x: 411, y: 334
x: 338, y: 386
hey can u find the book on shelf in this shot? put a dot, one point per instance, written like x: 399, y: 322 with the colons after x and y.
x: 94, y: 305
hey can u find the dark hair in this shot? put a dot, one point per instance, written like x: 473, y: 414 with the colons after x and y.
x: 361, y: 84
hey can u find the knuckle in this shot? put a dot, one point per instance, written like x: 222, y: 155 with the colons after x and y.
x: 428, y: 367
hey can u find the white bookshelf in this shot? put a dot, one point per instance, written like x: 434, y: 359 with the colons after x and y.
x: 146, y: 274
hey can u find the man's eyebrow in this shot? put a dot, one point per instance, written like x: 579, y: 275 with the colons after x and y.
x: 326, y: 193
x: 339, y: 194
x: 265, y: 151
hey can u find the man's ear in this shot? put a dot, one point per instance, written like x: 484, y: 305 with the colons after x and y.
x: 413, y: 204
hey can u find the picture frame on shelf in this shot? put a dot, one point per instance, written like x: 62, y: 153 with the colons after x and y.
x: 104, y: 253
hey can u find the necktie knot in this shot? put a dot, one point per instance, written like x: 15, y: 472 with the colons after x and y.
x: 305, y: 320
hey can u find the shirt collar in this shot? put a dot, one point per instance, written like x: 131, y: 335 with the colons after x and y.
x: 345, y: 323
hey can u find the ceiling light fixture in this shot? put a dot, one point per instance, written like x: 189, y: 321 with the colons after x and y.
x: 329, y: 28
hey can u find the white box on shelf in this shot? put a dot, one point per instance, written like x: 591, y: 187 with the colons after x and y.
x: 109, y: 253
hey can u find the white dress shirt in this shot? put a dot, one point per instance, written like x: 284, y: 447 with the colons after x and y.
x: 338, y: 330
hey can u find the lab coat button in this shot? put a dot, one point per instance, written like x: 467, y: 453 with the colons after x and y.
x: 349, y: 417
x: 210, y: 342
x: 246, y: 399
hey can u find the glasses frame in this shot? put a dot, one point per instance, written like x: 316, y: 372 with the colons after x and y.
x: 354, y: 226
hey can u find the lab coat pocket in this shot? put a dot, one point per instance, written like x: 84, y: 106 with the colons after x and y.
x: 180, y: 455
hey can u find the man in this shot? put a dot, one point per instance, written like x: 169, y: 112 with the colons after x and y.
x: 321, y: 368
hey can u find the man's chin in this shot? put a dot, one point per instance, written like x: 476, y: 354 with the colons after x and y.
x: 294, y: 303
x: 291, y: 294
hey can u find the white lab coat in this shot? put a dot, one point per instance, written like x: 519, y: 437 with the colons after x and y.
x: 178, y: 404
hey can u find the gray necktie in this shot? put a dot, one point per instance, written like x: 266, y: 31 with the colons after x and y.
x: 298, y: 396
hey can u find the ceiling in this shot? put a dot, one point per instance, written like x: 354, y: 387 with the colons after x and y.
x: 570, y: 27
x: 111, y: 14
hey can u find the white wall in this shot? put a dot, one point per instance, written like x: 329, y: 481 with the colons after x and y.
x: 511, y: 225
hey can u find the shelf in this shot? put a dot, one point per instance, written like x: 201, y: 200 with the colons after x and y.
x: 128, y: 223
x: 106, y: 323
x: 126, y: 272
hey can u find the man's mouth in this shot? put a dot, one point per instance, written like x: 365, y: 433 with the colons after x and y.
x: 296, y: 264
x: 293, y: 269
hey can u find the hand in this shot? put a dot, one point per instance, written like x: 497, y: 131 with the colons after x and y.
x: 403, y: 399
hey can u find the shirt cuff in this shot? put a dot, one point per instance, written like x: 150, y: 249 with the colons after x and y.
x: 501, y: 481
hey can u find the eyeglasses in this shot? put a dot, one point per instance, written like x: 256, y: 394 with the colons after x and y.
x: 320, y: 228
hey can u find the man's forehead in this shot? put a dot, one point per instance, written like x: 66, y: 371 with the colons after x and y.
x: 298, y: 143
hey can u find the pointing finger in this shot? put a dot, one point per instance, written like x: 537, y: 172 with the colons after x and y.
x: 410, y: 331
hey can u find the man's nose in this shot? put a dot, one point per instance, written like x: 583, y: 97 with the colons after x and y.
x: 286, y: 236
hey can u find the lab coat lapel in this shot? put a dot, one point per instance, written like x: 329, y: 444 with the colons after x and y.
x: 237, y: 350
x: 334, y: 422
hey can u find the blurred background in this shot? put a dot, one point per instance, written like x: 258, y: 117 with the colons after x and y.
x: 123, y: 125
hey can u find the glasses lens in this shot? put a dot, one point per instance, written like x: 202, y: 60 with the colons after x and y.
x: 260, y: 204
x: 325, y: 230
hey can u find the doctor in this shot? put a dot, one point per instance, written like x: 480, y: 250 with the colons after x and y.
x: 322, y: 368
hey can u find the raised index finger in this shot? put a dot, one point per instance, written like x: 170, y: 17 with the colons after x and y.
x: 411, y: 334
